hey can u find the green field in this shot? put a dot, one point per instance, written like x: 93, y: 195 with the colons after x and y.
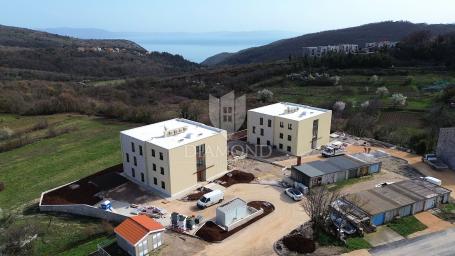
x: 31, y: 169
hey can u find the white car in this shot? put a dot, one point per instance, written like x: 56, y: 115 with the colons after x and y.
x: 294, y: 194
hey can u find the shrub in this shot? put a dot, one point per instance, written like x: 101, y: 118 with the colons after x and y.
x: 382, y: 91
x: 6, y: 133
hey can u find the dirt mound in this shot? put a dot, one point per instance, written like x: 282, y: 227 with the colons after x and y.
x: 298, y: 243
x: 83, y: 191
x: 235, y: 177
x: 198, y: 194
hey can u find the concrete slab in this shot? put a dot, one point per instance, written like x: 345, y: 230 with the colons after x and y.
x: 383, y: 235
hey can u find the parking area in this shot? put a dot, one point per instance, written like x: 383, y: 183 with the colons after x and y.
x: 383, y: 235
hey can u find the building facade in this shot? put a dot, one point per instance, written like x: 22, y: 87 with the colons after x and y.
x: 319, y: 51
x: 446, y: 146
x: 174, y: 156
x: 291, y: 128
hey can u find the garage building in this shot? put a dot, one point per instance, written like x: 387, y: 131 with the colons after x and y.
x: 399, y: 199
x: 333, y: 170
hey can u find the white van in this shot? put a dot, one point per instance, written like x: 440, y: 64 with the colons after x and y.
x: 211, y: 198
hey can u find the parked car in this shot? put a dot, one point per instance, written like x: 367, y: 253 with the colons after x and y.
x: 294, y: 194
x: 342, y: 224
x: 211, y: 198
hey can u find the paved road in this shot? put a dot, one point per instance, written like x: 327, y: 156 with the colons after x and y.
x: 439, y: 243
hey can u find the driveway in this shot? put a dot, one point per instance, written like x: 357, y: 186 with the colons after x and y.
x: 258, y: 238
x: 438, y: 244
x: 433, y: 223
x: 383, y: 235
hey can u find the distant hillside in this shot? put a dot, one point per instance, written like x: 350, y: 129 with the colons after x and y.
x: 392, y: 31
x: 216, y: 58
x: 26, y: 49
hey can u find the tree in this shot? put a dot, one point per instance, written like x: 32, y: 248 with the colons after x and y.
x: 339, y: 107
x: 374, y: 79
x: 382, y: 91
x: 398, y: 99
x: 318, y: 206
x: 264, y: 96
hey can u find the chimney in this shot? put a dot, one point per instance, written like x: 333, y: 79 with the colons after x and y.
x: 299, y: 160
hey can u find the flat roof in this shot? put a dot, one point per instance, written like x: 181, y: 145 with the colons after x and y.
x: 331, y: 165
x: 395, y: 196
x: 172, y: 133
x: 232, y: 205
x: 290, y: 111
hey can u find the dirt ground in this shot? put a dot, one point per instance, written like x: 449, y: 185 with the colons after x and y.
x: 261, y: 170
x: 258, y: 238
x: 178, y: 244
x: 433, y: 223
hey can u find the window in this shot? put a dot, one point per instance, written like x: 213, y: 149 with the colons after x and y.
x: 161, y: 156
x: 142, y: 177
x: 154, y: 167
x: 281, y: 135
x: 229, y: 118
x: 289, y: 137
x: 153, y: 152
x: 132, y: 147
x: 290, y: 126
x: 268, y: 143
x: 155, y: 181
x: 140, y: 150
x: 127, y: 157
x: 269, y: 123
x: 280, y: 146
x: 315, y: 128
x: 254, y: 129
x: 281, y: 124
x: 133, y: 172
x: 163, y: 186
x: 262, y: 132
x: 162, y: 170
x: 135, y: 161
x: 224, y: 118
x: 229, y: 110
x: 289, y: 149
x: 258, y: 141
x: 261, y: 121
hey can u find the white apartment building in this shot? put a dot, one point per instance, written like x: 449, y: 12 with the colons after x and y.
x: 292, y: 128
x: 174, y: 156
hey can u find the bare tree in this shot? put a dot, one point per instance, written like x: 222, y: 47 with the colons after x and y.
x: 318, y: 206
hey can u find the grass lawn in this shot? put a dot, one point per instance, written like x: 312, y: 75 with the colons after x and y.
x: 357, y: 243
x: 29, y: 170
x: 406, y: 225
x: 51, y: 162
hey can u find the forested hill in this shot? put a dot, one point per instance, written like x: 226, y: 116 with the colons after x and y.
x: 392, y: 31
x: 36, y: 51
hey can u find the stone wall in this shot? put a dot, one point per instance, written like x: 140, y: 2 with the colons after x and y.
x: 84, y: 210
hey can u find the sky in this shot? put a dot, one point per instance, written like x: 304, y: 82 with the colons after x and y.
x: 301, y: 16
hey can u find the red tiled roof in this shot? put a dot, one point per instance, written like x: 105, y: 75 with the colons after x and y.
x: 135, y: 228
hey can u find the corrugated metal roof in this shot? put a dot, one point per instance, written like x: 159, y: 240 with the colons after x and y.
x: 396, y: 195
x: 232, y: 205
x: 331, y: 165
x: 135, y: 228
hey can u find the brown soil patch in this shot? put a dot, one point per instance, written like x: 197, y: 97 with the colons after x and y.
x: 198, y: 194
x: 211, y: 232
x: 83, y: 191
x: 235, y: 177
x: 298, y: 243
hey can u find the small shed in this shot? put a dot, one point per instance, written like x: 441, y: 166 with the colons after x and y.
x: 231, y: 212
x: 139, y: 235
